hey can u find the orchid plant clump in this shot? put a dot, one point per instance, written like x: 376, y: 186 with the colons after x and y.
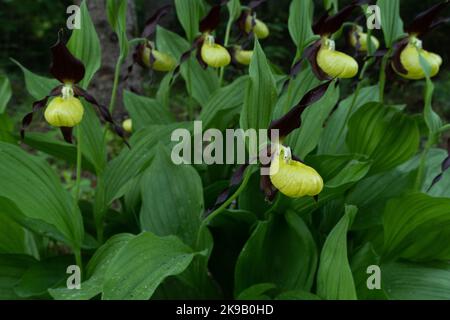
x: 355, y: 202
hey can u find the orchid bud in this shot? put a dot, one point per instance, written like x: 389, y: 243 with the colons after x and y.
x: 334, y: 63
x: 293, y: 178
x: 260, y: 29
x: 157, y: 60
x: 409, y: 58
x: 243, y: 56
x: 359, y: 40
x: 127, y: 125
x: 64, y: 111
x: 213, y: 54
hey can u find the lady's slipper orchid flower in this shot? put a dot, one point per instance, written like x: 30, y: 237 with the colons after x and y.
x: 242, y: 56
x: 334, y: 63
x: 360, y: 40
x: 213, y: 54
x: 406, y: 59
x: 65, y: 110
x: 127, y: 125
x: 156, y: 60
x: 410, y: 61
x: 259, y: 28
x: 293, y: 178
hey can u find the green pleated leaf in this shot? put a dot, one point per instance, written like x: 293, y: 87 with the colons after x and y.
x: 417, y: 227
x: 261, y: 93
x: 305, y: 139
x: 297, y: 295
x: 384, y: 134
x: 408, y: 281
x: 5, y: 92
x: 224, y: 105
x: 200, y: 83
x: 178, y: 211
x: 12, y: 236
x: 391, y: 21
x: 334, y: 277
x: 300, y: 22
x: 332, y: 141
x: 85, y: 45
x: 432, y: 119
x: 12, y: 268
x: 142, y: 264
x: 95, y: 271
x: 280, y: 251
x: 189, y: 13
x: 117, y: 17
x: 32, y: 195
x: 37, y: 86
x: 234, y: 9
x: 145, y: 111
x: 256, y: 292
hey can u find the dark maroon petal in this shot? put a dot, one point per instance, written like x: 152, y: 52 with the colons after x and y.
x: 102, y: 110
x: 330, y: 24
x: 200, y: 60
x: 268, y: 188
x: 236, y: 179
x: 150, y: 25
x: 438, y: 23
x: 38, y: 105
x: 186, y: 55
x: 212, y: 19
x: 424, y: 20
x: 293, y: 119
x: 310, y: 54
x: 67, y: 134
x: 65, y: 67
x: 396, y: 57
x: 444, y: 167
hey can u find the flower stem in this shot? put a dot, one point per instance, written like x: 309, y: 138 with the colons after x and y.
x: 225, y: 43
x: 76, y: 197
x: 383, y: 76
x: 112, y: 102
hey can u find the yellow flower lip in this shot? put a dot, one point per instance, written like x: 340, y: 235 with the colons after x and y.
x: 127, y: 125
x: 64, y: 112
x: 334, y: 63
x: 243, y: 56
x: 260, y: 29
x: 410, y: 60
x: 293, y: 178
x: 213, y: 54
x: 162, y: 62
x: 358, y: 37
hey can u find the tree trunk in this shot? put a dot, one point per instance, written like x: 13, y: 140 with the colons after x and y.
x: 103, y: 81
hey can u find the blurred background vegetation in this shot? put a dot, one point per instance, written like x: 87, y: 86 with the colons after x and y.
x: 28, y: 28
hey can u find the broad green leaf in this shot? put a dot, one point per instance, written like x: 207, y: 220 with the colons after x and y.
x: 5, y: 92
x: 12, y: 236
x: 391, y: 21
x: 95, y: 271
x: 178, y: 211
x: 297, y: 295
x: 261, y: 93
x: 224, y: 105
x: 332, y: 140
x: 142, y: 264
x: 334, y: 277
x: 37, y: 86
x: 46, y: 143
x: 332, y: 5
x: 298, y: 87
x: 305, y: 139
x: 300, y: 21
x: 385, y: 135
x: 408, y: 281
x: 145, y: 111
x: 234, y: 9
x: 280, y: 251
x: 189, y: 13
x: 200, y: 83
x: 32, y: 195
x: 256, y: 292
x: 117, y: 17
x: 163, y: 93
x: 417, y: 227
x: 12, y: 268
x: 442, y: 188
x: 85, y: 45
x: 42, y: 276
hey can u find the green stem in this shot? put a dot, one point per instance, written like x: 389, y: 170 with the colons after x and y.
x: 112, y: 102
x: 77, y: 251
x: 227, y: 39
x: 383, y: 76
